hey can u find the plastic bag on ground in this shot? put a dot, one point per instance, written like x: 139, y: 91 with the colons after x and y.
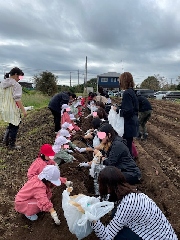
x: 80, y: 210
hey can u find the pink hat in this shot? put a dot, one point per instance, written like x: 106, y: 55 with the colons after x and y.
x: 47, y: 150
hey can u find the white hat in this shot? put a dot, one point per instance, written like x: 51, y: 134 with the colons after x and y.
x: 52, y: 174
x: 65, y: 125
x: 72, y: 116
x: 60, y: 140
x: 80, y: 97
x: 64, y: 133
x: 77, y: 104
x: 63, y: 107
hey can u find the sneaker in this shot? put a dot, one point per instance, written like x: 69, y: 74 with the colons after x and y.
x: 32, y: 217
x: 139, y: 136
x: 13, y: 147
x: 145, y: 136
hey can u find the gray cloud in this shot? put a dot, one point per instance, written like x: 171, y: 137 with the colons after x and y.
x: 141, y: 37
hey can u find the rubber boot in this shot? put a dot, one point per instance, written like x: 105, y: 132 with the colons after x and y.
x: 139, y: 136
x: 12, y: 144
x: 6, y: 137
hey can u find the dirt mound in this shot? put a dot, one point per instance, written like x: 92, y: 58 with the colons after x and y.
x: 158, y: 160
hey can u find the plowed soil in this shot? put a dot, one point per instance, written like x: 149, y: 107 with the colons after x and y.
x: 158, y: 160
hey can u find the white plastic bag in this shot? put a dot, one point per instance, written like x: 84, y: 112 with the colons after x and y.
x: 116, y: 121
x: 74, y: 206
x: 119, y: 124
x: 96, y: 141
x: 112, y: 117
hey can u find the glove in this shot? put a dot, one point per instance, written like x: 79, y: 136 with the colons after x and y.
x: 68, y: 184
x: 55, y: 217
x: 80, y: 149
x: 84, y: 164
x: 70, y: 151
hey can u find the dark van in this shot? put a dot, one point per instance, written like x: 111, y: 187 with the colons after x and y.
x: 172, y: 95
x: 146, y: 92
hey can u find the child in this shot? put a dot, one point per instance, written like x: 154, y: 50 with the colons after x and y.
x: 66, y: 117
x: 61, y: 149
x: 42, y: 161
x: 35, y: 195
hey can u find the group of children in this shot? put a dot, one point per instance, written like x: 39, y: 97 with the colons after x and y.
x: 114, y: 171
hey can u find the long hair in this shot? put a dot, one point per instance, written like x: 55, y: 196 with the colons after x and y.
x: 100, y: 104
x: 101, y: 113
x: 126, y: 81
x: 107, y: 128
x: 112, y: 182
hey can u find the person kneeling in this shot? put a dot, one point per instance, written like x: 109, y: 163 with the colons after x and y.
x: 35, y: 195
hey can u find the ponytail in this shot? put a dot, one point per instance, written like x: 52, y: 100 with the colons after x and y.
x: 6, y: 75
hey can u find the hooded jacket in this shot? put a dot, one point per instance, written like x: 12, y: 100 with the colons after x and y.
x: 10, y: 93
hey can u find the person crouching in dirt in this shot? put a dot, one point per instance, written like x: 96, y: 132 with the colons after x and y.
x: 44, y: 159
x: 10, y: 105
x: 66, y: 134
x: 117, y: 154
x: 66, y: 118
x: 145, y: 111
x: 61, y: 149
x: 35, y: 195
x: 136, y: 216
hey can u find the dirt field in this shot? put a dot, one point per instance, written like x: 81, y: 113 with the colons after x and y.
x: 158, y: 160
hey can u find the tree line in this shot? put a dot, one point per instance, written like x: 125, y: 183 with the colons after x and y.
x: 46, y: 82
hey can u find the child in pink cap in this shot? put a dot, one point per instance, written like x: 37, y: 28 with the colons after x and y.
x: 42, y: 161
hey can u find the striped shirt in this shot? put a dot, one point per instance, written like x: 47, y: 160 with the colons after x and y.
x: 141, y: 214
x: 9, y: 111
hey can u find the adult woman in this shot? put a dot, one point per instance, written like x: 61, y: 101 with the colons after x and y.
x: 129, y: 109
x: 10, y: 105
x: 35, y: 195
x: 137, y: 216
x: 117, y: 154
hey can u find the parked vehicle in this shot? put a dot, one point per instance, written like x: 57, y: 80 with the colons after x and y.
x: 119, y: 94
x: 110, y: 93
x: 172, y: 95
x: 160, y: 94
x: 146, y: 92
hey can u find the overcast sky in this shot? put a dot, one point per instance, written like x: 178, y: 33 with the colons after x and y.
x: 137, y: 36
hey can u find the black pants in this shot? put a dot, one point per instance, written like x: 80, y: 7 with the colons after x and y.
x: 126, y: 233
x: 131, y: 179
x: 129, y: 144
x: 57, y: 120
x: 13, y: 130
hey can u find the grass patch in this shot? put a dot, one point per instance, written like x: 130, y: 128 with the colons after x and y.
x: 37, y: 100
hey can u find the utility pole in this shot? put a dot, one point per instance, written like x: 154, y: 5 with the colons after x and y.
x: 86, y: 75
x: 78, y: 77
x: 70, y: 79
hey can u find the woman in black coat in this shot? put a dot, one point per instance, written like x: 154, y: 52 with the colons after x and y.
x: 117, y: 154
x: 129, y: 109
